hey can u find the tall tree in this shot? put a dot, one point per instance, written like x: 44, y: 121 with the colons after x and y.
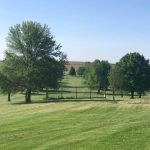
x: 35, y: 56
x: 91, y: 74
x: 115, y: 80
x: 104, y: 72
x: 136, y: 72
x: 96, y: 75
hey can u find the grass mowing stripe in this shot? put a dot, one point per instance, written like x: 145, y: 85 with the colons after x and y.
x: 74, y: 126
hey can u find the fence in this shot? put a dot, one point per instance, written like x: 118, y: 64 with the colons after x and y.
x: 70, y: 92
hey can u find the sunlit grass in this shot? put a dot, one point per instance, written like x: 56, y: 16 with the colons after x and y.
x: 74, y: 125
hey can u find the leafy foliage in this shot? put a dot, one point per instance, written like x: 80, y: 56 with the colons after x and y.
x: 81, y: 70
x: 35, y: 57
x: 72, y: 71
x: 9, y: 83
x: 96, y: 75
x: 136, y: 72
x: 115, y: 80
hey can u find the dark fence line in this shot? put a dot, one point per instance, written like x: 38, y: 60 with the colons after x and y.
x: 69, y: 92
x: 77, y: 93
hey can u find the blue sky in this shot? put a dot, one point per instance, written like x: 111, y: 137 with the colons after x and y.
x: 87, y: 29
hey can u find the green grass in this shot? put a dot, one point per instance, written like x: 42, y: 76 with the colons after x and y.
x: 73, y: 81
x: 70, y: 83
x: 74, y: 125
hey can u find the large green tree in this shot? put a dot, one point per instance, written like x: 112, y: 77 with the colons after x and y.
x: 35, y: 57
x: 136, y: 73
x: 96, y: 75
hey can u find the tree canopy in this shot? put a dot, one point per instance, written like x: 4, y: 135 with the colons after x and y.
x: 81, y: 70
x: 34, y: 56
x: 115, y: 80
x: 136, y: 72
x: 72, y: 71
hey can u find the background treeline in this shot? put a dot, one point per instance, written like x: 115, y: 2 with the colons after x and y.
x: 130, y: 74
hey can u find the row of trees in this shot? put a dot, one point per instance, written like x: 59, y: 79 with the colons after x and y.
x: 130, y: 74
x: 96, y: 75
x: 33, y: 60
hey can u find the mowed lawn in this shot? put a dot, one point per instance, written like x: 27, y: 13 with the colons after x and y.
x: 73, y: 125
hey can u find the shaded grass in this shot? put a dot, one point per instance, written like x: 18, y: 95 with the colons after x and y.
x: 71, y: 85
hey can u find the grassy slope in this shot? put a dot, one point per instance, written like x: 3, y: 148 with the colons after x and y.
x: 74, y: 126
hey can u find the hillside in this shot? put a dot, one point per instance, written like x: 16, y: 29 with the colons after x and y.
x: 75, y: 64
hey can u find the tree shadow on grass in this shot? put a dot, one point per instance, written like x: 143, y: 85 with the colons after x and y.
x: 34, y: 93
x: 56, y: 100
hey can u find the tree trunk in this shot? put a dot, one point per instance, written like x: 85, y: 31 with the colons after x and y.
x: 113, y: 94
x: 8, y: 96
x: 104, y: 93
x: 28, y: 96
x: 140, y: 94
x: 132, y: 94
x: 46, y: 93
x: 98, y: 92
x: 121, y: 94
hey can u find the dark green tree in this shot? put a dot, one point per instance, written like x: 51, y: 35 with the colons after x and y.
x: 136, y: 72
x: 34, y: 56
x: 8, y: 81
x: 6, y: 85
x: 81, y: 70
x: 104, y: 72
x: 96, y: 75
x: 72, y: 71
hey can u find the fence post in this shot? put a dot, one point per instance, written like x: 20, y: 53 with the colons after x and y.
x: 76, y: 93
x: 90, y: 93
x: 46, y: 93
x: 61, y: 92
